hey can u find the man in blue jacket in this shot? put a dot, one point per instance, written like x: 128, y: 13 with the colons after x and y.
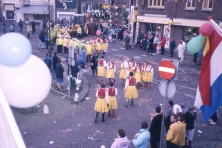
x: 141, y: 139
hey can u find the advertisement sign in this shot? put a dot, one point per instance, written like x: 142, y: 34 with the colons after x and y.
x: 166, y: 32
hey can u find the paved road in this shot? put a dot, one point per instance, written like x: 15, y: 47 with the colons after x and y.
x: 72, y: 125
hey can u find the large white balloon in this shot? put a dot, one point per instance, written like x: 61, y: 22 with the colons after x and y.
x: 26, y: 85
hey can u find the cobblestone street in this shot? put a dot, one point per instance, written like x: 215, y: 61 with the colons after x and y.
x: 72, y: 125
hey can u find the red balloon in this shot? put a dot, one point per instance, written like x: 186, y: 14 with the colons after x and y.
x: 206, y: 29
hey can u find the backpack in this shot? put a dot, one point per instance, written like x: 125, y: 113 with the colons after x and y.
x: 48, y: 62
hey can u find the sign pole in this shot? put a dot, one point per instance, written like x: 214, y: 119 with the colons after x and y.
x: 164, y: 106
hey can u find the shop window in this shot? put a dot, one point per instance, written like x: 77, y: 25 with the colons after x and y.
x: 40, y: 16
x: 10, y: 14
x: 156, y: 3
x: 190, y: 4
x: 189, y: 33
x: 207, y: 5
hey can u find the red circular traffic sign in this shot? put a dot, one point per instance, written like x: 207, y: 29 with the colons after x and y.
x: 166, y: 69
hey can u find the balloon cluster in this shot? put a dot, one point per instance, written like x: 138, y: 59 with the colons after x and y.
x: 196, y: 44
x: 25, y: 78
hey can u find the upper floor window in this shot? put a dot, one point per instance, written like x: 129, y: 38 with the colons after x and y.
x: 190, y: 4
x: 207, y: 5
x: 156, y: 3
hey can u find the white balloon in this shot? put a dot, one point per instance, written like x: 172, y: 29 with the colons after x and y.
x: 26, y: 85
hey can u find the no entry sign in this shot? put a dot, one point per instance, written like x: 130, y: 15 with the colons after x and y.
x: 166, y: 69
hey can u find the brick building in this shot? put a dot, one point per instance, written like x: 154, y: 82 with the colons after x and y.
x: 187, y: 17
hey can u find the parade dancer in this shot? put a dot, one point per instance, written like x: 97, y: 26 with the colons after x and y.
x: 104, y: 45
x: 124, y: 70
x: 98, y: 45
x: 111, y: 69
x: 101, y: 68
x: 138, y: 73
x: 147, y: 74
x: 132, y: 64
x: 111, y: 94
x: 60, y: 43
x: 130, y: 90
x: 101, y: 104
x: 92, y: 43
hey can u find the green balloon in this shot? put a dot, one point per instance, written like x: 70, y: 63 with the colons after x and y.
x: 195, y: 45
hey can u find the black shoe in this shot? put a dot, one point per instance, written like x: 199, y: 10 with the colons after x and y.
x: 103, y: 120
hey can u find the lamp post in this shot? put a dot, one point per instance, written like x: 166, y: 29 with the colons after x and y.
x: 129, y: 20
x: 50, y: 40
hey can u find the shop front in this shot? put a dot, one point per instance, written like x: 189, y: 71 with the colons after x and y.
x: 185, y: 29
x: 8, y: 11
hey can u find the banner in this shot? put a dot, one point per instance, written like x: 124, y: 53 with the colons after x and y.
x: 166, y: 33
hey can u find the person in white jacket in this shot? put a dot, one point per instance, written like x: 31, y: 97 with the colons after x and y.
x: 181, y: 48
x: 122, y: 141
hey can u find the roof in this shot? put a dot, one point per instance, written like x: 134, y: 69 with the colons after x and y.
x: 34, y: 10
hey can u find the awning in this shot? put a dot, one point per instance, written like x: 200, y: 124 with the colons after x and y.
x: 34, y: 10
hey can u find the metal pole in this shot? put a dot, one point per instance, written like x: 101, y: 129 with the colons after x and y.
x: 129, y: 15
x: 164, y: 106
x: 69, y: 79
x: 50, y: 48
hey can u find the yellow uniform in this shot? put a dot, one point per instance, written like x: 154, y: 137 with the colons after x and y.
x: 124, y: 70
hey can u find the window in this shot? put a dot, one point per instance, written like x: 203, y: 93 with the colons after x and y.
x: 207, y: 5
x: 156, y: 3
x: 190, y: 4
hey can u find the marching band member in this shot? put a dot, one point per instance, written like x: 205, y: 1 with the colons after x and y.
x: 111, y: 94
x: 130, y: 90
x: 104, y: 44
x: 88, y: 51
x: 111, y: 69
x: 101, y: 68
x: 138, y: 73
x: 124, y: 70
x: 98, y: 45
x: 101, y: 103
x: 147, y: 74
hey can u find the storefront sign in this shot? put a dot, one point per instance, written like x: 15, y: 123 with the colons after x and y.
x: 166, y: 33
x: 155, y: 15
x: 157, y: 20
x: 188, y: 22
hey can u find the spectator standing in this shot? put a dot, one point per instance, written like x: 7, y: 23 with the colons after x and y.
x: 28, y: 31
x: 121, y: 141
x: 190, y: 116
x: 75, y: 69
x: 46, y: 41
x: 55, y: 60
x: 155, y: 128
x: 181, y: 47
x: 20, y: 25
x: 33, y: 27
x: 59, y: 74
x: 48, y: 61
x: 168, y: 115
x: 172, y: 47
x: 127, y: 41
x: 144, y: 42
x: 94, y: 63
x: 156, y: 42
x: 4, y: 28
x: 163, y: 42
x: 214, y: 118
x: 184, y: 109
x: 42, y: 39
x: 11, y: 28
x: 176, y: 134
x: 141, y: 139
x: 150, y: 49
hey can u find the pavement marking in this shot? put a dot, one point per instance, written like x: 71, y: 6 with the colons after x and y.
x: 136, y: 57
x: 122, y: 48
x: 36, y: 50
x: 189, y: 96
x: 156, y: 80
x: 188, y: 87
x: 144, y: 55
x: 114, y: 49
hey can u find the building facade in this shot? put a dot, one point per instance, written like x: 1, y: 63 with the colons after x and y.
x: 62, y: 12
x: 185, y: 17
x: 8, y: 8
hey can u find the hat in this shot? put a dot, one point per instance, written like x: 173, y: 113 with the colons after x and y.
x: 182, y: 105
x: 191, y: 108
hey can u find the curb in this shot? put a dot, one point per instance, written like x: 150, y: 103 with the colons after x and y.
x: 85, y: 90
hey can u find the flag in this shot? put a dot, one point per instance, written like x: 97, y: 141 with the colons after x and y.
x: 209, y: 91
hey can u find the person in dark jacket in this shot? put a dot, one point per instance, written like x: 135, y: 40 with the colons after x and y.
x: 75, y: 69
x: 150, y: 49
x: 33, y: 27
x: 4, y: 28
x: 155, y: 128
x: 59, y: 74
x: 172, y: 47
x: 94, y: 63
x: 190, y: 116
x: 20, y: 25
x: 42, y: 39
x: 127, y: 40
x: 55, y: 60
